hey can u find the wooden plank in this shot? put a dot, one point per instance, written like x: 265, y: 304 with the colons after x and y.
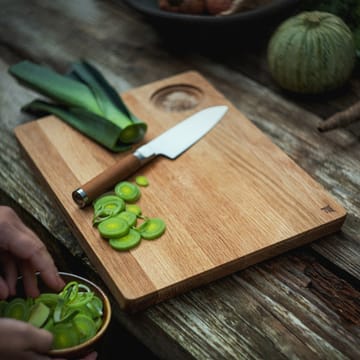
x: 239, y: 74
x: 200, y: 322
x: 230, y: 201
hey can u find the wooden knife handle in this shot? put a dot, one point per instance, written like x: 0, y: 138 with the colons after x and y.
x: 101, y: 183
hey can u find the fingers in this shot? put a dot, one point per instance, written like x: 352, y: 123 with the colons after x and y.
x: 43, y: 262
x: 29, y: 279
x: 92, y: 356
x: 16, y: 238
x: 4, y: 290
x: 16, y: 355
x: 22, y: 336
x: 38, y: 259
x: 20, y: 241
x: 9, y: 271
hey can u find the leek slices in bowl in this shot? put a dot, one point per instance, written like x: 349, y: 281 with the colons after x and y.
x: 77, y: 316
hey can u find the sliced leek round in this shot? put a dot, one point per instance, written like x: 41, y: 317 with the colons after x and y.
x: 113, y: 227
x: 126, y: 242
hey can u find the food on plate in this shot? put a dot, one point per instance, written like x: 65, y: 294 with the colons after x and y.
x: 210, y: 7
x: 183, y: 6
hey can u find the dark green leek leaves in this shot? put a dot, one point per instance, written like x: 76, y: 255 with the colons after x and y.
x: 85, y: 100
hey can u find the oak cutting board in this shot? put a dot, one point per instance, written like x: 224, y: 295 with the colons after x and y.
x: 231, y: 200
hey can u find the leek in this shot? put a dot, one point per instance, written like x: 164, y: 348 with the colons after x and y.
x: 85, y: 100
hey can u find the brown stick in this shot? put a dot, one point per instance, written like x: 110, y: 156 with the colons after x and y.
x: 341, y: 119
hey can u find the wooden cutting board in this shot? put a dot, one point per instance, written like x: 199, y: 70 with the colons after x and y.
x: 233, y: 199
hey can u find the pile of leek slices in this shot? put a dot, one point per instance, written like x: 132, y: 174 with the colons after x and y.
x: 73, y: 315
x: 116, y: 216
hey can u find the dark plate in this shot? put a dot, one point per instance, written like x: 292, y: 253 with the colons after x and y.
x: 150, y: 8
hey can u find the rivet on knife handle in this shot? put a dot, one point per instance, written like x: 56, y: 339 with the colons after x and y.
x: 85, y: 194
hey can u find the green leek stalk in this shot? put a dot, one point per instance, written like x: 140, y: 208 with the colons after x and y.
x: 83, y: 99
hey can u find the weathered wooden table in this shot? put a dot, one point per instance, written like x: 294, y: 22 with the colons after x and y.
x: 304, y: 304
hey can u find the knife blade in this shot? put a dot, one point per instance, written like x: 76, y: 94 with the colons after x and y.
x: 171, y: 143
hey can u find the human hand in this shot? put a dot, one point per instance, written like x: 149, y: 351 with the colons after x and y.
x: 21, y: 341
x: 23, y: 253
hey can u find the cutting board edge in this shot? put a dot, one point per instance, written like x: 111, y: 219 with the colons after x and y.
x: 133, y: 305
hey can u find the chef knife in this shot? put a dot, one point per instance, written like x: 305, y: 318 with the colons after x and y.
x: 170, y: 143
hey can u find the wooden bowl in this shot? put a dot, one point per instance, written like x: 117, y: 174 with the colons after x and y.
x: 88, y: 346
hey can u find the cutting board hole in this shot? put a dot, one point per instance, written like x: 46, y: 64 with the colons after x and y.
x: 176, y: 98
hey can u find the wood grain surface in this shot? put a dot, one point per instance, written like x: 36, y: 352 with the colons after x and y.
x: 302, y: 304
x: 231, y: 200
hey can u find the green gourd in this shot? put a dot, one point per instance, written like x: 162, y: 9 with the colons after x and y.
x: 311, y: 53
